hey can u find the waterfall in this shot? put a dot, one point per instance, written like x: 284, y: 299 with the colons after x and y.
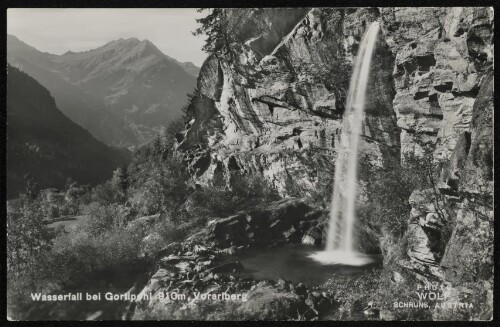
x: 339, y: 247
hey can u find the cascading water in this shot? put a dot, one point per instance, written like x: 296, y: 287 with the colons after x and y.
x: 339, y: 247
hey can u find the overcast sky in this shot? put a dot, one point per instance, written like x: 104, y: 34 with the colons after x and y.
x: 60, y: 30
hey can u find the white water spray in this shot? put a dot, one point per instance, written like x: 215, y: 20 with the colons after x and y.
x: 339, y: 247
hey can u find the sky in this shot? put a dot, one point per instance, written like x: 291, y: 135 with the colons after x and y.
x: 80, y: 29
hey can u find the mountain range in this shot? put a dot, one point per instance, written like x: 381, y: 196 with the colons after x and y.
x: 45, y: 143
x: 123, y: 93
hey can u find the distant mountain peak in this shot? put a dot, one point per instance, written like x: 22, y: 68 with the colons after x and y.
x: 130, y: 40
x: 148, y: 45
x: 131, y: 45
x: 13, y: 40
x: 11, y: 36
x: 122, y: 91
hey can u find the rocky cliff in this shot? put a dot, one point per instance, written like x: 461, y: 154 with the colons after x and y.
x: 271, y: 106
x: 444, y: 104
x: 263, y: 105
x: 273, y: 103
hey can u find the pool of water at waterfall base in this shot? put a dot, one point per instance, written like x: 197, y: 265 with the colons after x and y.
x: 293, y: 262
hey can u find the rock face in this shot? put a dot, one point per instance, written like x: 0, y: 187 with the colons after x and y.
x: 444, y: 104
x: 468, y: 194
x: 469, y: 254
x: 424, y: 232
x: 271, y: 106
x: 283, y: 221
x: 275, y: 106
x: 441, y: 57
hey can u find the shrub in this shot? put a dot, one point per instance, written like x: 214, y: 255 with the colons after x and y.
x: 80, y: 253
x: 27, y: 238
x: 105, y: 193
x: 101, y: 218
x: 376, y: 286
x: 158, y: 184
x: 69, y: 209
x: 320, y: 165
x: 50, y: 211
x: 386, y: 203
x: 386, y: 191
x: 389, y: 292
x: 479, y: 294
x: 27, y: 247
x: 243, y: 192
x: 178, y: 225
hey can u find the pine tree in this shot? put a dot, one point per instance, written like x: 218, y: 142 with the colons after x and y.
x: 123, y: 182
x: 215, y: 27
x: 32, y: 187
x: 157, y: 147
x: 69, y: 182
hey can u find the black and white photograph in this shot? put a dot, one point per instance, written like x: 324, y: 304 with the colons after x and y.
x: 249, y: 164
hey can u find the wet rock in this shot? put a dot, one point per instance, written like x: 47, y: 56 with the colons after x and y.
x: 308, y: 239
x: 232, y: 226
x: 313, y: 236
x: 276, y: 222
x: 306, y: 224
x: 292, y: 235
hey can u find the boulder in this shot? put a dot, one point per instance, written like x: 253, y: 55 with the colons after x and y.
x: 151, y: 245
x: 308, y: 239
x: 292, y: 235
x: 313, y: 236
x: 278, y: 220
